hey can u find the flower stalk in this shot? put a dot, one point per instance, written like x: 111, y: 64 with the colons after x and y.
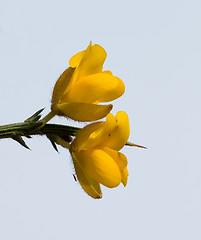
x: 48, y: 117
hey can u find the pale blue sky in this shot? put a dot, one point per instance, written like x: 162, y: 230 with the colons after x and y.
x: 155, y: 48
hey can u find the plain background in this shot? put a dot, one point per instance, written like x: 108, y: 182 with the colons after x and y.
x: 155, y: 48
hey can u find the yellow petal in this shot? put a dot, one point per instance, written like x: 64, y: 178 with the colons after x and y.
x: 121, y: 161
x: 61, y: 85
x: 91, y: 187
x: 96, y: 88
x: 97, y: 134
x: 83, y: 112
x: 91, y: 61
x: 124, y: 176
x: 110, y: 124
x: 88, y: 137
x: 75, y: 60
x: 119, y: 135
x: 107, y: 71
x: 118, y: 157
x: 100, y: 166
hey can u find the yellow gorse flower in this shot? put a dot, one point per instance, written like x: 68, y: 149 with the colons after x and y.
x: 96, y: 156
x: 84, y: 85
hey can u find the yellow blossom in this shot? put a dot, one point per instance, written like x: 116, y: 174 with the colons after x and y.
x: 96, y: 156
x: 80, y: 88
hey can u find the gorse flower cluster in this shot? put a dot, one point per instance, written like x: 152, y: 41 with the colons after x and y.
x: 82, y: 93
x: 95, y: 150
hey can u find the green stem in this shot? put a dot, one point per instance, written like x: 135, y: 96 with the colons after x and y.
x: 33, y: 128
